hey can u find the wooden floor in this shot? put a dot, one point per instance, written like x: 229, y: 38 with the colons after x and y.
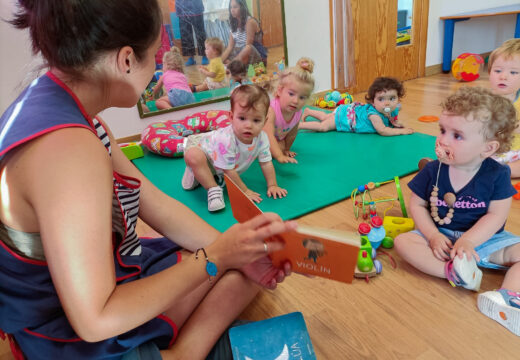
x: 400, y: 314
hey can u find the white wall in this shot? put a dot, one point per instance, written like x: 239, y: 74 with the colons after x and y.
x: 477, y: 35
x: 308, y: 31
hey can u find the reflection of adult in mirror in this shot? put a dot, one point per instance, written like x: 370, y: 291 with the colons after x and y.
x: 246, y: 38
x: 83, y: 277
x: 191, y: 20
x: 178, y: 90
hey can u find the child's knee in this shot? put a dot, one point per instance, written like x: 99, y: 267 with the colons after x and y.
x: 512, y: 254
x: 194, y: 157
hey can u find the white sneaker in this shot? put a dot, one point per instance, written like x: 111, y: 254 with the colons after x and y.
x: 498, y: 305
x: 215, y: 199
x: 188, y: 179
x: 468, y: 272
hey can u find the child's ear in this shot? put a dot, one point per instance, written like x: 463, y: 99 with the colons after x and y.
x: 491, y: 148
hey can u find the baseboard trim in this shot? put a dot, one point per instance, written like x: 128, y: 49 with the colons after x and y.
x: 127, y: 139
x: 437, y: 69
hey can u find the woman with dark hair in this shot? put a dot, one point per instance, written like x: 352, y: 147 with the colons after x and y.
x: 76, y: 282
x: 246, y: 38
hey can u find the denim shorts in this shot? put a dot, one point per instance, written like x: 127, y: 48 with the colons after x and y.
x: 180, y: 97
x: 497, y: 242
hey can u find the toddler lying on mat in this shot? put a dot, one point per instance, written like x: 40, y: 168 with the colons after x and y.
x: 379, y: 115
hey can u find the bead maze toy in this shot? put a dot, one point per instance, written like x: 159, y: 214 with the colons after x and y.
x: 372, y: 236
x: 368, y: 205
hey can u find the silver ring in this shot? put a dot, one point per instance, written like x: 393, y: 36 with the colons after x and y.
x: 265, y: 246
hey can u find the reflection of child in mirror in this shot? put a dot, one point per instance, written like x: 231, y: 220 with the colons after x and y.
x: 294, y: 87
x: 237, y: 72
x: 175, y: 82
x: 379, y: 115
x: 504, y: 79
x: 215, y: 72
x: 232, y: 149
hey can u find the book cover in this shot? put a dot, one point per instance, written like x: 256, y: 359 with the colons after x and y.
x: 315, y: 251
x: 280, y: 338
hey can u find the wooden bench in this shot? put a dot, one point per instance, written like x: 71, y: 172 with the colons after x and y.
x: 449, y: 27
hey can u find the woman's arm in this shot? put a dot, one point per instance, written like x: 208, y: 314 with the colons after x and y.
x: 252, y: 27
x: 72, y: 200
x: 384, y: 130
x: 231, y: 45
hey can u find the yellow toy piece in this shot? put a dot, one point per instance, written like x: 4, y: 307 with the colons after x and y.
x: 466, y: 67
x: 395, y: 225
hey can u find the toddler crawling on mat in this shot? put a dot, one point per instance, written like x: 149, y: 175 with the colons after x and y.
x: 379, y: 115
x: 232, y: 149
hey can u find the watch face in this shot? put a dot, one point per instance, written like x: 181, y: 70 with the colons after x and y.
x: 211, y: 268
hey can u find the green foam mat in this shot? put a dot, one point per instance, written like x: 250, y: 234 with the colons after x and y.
x: 330, y: 165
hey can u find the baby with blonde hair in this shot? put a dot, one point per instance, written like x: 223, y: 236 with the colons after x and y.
x: 178, y: 90
x: 294, y: 87
x: 215, y: 72
x: 504, y: 78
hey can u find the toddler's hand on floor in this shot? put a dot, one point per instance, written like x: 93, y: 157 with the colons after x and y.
x: 276, y: 192
x: 463, y: 246
x: 407, y: 131
x: 289, y: 153
x: 286, y: 159
x: 253, y: 195
x: 441, y: 246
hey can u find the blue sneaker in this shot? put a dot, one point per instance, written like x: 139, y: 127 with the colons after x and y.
x: 204, y: 61
x: 503, y: 306
x: 191, y: 61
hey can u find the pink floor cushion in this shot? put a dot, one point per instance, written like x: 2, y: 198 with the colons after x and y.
x: 167, y: 138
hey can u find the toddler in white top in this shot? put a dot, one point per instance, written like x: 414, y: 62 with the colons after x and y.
x: 231, y: 150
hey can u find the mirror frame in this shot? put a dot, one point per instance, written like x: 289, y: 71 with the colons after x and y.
x: 143, y: 115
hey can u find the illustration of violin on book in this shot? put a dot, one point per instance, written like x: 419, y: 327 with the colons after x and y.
x: 327, y: 253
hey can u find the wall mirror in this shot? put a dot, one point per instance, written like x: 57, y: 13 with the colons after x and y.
x: 215, y: 22
x: 404, y: 22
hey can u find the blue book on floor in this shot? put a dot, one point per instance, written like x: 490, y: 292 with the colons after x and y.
x: 280, y: 338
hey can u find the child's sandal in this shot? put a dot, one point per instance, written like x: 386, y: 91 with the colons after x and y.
x: 502, y: 306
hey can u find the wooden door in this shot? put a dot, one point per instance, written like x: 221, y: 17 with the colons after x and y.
x: 371, y: 43
x: 269, y: 12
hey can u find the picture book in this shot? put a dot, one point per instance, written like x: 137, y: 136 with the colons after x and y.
x: 315, y: 251
x: 280, y: 338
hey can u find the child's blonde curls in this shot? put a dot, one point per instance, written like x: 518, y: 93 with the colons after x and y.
x: 497, y: 113
x: 173, y: 60
x: 302, y: 71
